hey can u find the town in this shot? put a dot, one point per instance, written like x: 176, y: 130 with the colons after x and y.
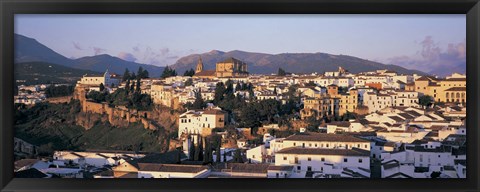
x: 233, y: 124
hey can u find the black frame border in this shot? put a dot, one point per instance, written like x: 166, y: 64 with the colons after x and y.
x: 10, y: 7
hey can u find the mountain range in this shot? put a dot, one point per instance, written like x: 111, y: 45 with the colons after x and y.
x: 262, y: 63
x: 30, y: 50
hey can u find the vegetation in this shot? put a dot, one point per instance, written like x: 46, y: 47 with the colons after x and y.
x: 281, y: 72
x: 190, y: 73
x: 52, y: 127
x: 189, y: 82
x: 168, y: 72
x: 59, y: 91
x: 425, y: 101
x: 141, y: 74
x: 35, y: 73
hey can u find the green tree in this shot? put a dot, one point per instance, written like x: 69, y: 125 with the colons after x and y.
x: 133, y: 76
x: 311, y: 83
x: 102, y: 87
x: 127, y: 86
x: 138, y: 88
x: 189, y: 82
x: 198, y: 103
x: 238, y: 156
x: 126, y: 75
x: 217, y: 153
x: 425, y: 101
x: 168, y: 72
x: 281, y: 72
x: 219, y: 93
x: 190, y: 73
x: 191, y: 150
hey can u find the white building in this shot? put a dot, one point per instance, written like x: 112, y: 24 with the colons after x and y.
x: 351, y: 163
x: 194, y: 122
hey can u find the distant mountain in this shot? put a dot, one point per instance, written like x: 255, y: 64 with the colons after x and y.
x: 262, y: 63
x: 30, y: 50
x: 41, y: 72
x: 448, y: 70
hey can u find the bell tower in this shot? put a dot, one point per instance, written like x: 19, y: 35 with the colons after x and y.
x: 199, y: 66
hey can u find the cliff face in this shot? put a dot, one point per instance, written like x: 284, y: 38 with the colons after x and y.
x: 88, y: 120
x: 161, y: 119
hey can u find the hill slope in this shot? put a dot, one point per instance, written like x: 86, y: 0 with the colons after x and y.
x: 41, y: 72
x: 292, y: 62
x: 30, y: 50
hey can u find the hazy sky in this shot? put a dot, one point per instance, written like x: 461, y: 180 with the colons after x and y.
x: 162, y: 39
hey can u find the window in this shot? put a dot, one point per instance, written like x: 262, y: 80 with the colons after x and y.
x: 345, y: 160
x: 309, y: 168
x: 309, y: 159
x: 298, y: 168
x: 360, y: 160
x: 284, y: 158
x: 323, y: 159
x: 294, y: 144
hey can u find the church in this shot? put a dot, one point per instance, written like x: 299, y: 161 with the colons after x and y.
x: 227, y: 68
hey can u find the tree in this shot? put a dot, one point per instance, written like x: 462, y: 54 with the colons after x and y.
x: 275, y: 91
x: 126, y: 75
x: 217, y: 153
x: 198, y: 103
x: 311, y: 83
x: 138, y: 89
x: 190, y: 72
x: 219, y: 91
x: 189, y: 82
x: 238, y: 156
x: 133, y: 76
x: 127, y: 86
x: 281, y: 72
x: 140, y: 72
x: 425, y: 101
x: 191, y: 150
x: 102, y: 87
x: 167, y: 72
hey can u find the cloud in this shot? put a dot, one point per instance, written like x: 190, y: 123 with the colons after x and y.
x: 159, y: 56
x: 98, y: 50
x: 77, y: 46
x: 431, y: 58
x: 127, y: 56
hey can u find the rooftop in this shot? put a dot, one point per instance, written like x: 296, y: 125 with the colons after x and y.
x: 321, y: 151
x: 171, y: 167
x: 324, y: 137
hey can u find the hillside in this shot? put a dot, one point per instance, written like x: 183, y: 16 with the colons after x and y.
x: 53, y: 127
x: 41, y: 72
x: 262, y: 63
x: 30, y: 50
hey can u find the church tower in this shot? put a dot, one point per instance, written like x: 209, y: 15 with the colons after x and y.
x: 199, y: 66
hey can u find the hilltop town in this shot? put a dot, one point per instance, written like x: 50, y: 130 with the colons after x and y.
x: 227, y: 122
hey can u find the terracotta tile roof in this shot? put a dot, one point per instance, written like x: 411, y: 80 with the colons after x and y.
x: 280, y: 168
x: 457, y: 89
x: 456, y: 79
x: 155, y: 167
x: 322, y: 151
x: 206, y: 73
x: 324, y: 137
